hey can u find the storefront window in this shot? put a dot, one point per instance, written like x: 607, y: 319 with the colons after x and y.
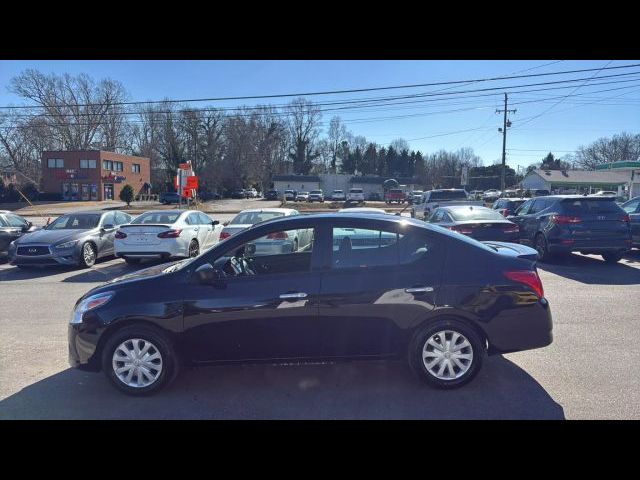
x: 94, y: 192
x: 85, y: 192
x: 74, y: 191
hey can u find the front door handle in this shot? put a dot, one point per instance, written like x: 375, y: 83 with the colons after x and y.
x: 293, y: 296
x: 418, y: 289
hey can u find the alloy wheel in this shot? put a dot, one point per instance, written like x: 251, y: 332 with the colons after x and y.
x: 137, y: 363
x: 88, y: 254
x: 447, y: 355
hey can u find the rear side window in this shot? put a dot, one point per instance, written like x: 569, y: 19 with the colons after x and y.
x: 2, y: 222
x: 630, y: 207
x: 362, y: 248
x: 594, y: 206
x: 204, y: 219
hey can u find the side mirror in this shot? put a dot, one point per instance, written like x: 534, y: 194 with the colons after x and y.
x: 215, y: 222
x: 225, y: 224
x: 208, y: 275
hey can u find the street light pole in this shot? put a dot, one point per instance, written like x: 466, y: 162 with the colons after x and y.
x: 504, y: 141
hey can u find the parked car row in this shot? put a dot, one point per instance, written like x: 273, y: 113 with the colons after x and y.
x: 554, y: 225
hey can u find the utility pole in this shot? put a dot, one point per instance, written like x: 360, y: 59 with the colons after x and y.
x: 505, y: 124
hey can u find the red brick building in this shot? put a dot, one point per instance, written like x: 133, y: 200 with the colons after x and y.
x: 92, y: 174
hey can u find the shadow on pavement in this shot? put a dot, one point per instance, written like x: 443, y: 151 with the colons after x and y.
x: 594, y: 270
x: 98, y: 273
x: 359, y: 390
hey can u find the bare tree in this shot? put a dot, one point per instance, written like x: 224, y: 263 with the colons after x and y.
x: 622, y: 147
x: 304, y: 120
x: 336, y: 135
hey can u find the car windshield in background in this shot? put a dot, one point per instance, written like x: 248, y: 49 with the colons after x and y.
x: 75, y: 222
x: 454, y: 195
x: 251, y: 218
x: 594, y: 206
x: 465, y: 214
x: 316, y: 192
x: 156, y: 218
x: 355, y: 190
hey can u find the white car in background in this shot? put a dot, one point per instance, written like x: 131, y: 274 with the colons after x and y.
x: 338, y: 195
x: 370, y: 210
x: 355, y: 195
x: 275, y: 243
x: 166, y: 234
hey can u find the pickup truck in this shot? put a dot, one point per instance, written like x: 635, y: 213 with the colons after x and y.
x: 395, y: 195
x: 433, y: 199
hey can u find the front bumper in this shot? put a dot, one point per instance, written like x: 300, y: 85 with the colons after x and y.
x: 83, y: 347
x: 67, y: 256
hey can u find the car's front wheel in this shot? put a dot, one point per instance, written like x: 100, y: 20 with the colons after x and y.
x: 446, y: 353
x: 544, y: 255
x: 139, y: 360
x: 88, y: 255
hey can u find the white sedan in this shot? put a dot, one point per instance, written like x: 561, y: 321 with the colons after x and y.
x: 165, y: 234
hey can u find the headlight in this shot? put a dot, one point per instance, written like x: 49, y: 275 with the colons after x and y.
x: 90, y: 303
x: 70, y: 244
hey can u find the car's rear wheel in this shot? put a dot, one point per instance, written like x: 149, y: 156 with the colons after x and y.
x: 542, y: 247
x: 446, y: 353
x: 88, y: 255
x: 612, y: 257
x: 139, y: 360
x: 194, y: 248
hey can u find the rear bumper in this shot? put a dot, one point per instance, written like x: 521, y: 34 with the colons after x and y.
x: 515, y: 330
x: 567, y: 245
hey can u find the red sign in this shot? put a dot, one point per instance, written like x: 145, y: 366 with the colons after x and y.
x: 185, y: 166
x: 192, y: 182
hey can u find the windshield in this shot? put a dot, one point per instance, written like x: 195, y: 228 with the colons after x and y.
x: 75, y: 221
x: 316, y: 192
x: 355, y: 190
x: 448, y: 195
x: 465, y: 214
x: 251, y: 218
x: 168, y: 218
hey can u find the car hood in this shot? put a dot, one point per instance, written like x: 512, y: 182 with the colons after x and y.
x: 51, y: 236
x: 145, y: 273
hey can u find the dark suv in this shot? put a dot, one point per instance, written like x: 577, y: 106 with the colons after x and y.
x: 574, y: 223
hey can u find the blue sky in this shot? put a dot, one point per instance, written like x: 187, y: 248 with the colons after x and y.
x: 561, y: 128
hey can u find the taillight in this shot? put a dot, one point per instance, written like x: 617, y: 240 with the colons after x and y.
x: 626, y: 218
x: 513, y: 229
x: 170, y: 234
x: 224, y: 235
x: 278, y: 236
x: 565, y: 220
x: 504, y: 212
x: 529, y: 278
x: 120, y: 234
x: 461, y: 229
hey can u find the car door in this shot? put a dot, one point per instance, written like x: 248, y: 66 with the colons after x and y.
x: 106, y: 234
x: 380, y: 279
x: 522, y: 219
x: 269, y: 314
x: 632, y: 207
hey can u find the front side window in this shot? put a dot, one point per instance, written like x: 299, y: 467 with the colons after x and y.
x: 15, y: 221
x: 279, y: 252
x: 524, y: 209
x: 109, y: 219
x: 75, y: 222
x: 3, y: 222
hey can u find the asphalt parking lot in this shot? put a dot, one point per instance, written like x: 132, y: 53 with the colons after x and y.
x: 588, y: 372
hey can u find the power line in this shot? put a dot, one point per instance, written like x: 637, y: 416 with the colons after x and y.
x: 332, y: 92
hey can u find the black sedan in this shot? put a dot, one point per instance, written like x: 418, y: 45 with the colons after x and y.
x: 12, y: 227
x: 74, y: 239
x: 272, y: 195
x: 367, y: 287
x: 480, y: 223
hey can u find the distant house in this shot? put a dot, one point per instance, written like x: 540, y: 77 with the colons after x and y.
x: 578, y: 181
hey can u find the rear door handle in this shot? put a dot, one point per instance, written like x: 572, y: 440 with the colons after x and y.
x: 418, y: 289
x: 293, y: 296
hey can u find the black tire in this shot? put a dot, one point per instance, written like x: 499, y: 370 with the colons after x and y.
x: 160, y: 342
x: 542, y: 247
x: 131, y: 261
x: 194, y: 249
x: 612, y: 257
x: 88, y: 259
x: 422, y: 336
